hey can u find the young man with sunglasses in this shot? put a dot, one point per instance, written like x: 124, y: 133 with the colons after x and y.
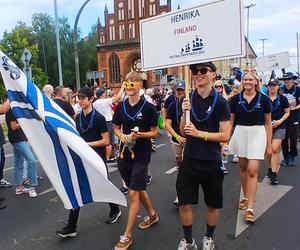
x: 202, y: 165
x: 92, y: 127
x: 133, y: 112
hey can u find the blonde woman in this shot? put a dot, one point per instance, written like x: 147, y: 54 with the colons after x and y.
x: 219, y: 87
x: 252, y: 137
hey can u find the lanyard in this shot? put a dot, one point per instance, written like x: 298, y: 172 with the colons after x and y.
x: 274, y: 108
x: 209, y: 113
x: 90, y: 125
x: 133, y: 117
x: 243, y: 105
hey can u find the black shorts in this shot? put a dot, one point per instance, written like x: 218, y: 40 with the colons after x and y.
x: 208, y: 174
x: 134, y: 174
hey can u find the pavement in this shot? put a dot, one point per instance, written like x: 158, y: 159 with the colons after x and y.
x: 29, y: 224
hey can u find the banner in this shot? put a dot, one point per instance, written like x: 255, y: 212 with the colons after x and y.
x: 210, y: 32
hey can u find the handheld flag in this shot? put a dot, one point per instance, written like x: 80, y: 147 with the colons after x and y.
x: 75, y: 170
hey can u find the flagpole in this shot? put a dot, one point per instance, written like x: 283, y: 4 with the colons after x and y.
x: 58, y: 45
x: 298, y: 66
x: 187, y: 92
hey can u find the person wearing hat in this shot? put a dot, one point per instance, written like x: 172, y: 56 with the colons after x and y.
x: 280, y: 112
x: 201, y: 164
x: 92, y: 127
x: 103, y: 105
x: 172, y: 125
x: 289, y: 144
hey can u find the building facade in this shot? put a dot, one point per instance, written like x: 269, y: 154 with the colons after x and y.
x: 118, y: 49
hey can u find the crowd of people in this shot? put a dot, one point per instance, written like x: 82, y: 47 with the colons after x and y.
x: 239, y: 120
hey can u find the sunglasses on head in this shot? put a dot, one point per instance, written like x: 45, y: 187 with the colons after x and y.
x: 218, y: 87
x: 130, y: 85
x: 203, y: 71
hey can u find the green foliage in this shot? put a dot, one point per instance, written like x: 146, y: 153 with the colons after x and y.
x: 40, y: 40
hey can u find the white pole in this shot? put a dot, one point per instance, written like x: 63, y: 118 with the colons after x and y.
x: 58, y: 45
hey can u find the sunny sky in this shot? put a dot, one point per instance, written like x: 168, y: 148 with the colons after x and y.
x: 278, y: 21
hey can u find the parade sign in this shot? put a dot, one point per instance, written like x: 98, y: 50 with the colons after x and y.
x: 210, y: 32
x: 273, y: 62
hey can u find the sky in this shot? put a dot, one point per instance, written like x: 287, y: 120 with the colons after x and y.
x: 276, y: 20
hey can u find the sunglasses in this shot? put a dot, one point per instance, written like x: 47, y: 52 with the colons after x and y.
x: 131, y: 85
x: 203, y: 71
x: 218, y: 87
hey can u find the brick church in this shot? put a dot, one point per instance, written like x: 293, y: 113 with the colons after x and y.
x: 118, y: 49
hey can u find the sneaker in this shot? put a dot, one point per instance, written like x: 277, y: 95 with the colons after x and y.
x: 284, y: 162
x: 243, y: 204
x: 208, y: 243
x: 249, y: 216
x: 32, y: 192
x: 124, y: 190
x: 274, y: 179
x: 111, y: 160
x: 148, y: 221
x: 113, y: 217
x: 124, y: 243
x: 183, y: 245
x: 235, y: 159
x: 269, y: 173
x: 22, y: 190
x: 149, y: 179
x: 224, y: 169
x: 175, y: 203
x: 67, y: 232
x: 291, y: 162
x: 4, y: 184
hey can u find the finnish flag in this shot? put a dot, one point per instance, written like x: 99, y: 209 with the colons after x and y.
x: 75, y: 170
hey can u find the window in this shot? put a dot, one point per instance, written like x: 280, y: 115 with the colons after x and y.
x: 152, y: 10
x: 122, y: 31
x: 141, y: 8
x: 102, y: 37
x: 112, y: 32
x: 130, y: 9
x: 114, y: 67
x: 131, y: 30
x: 121, y: 14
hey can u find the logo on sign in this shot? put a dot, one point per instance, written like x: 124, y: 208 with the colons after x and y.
x: 15, y: 72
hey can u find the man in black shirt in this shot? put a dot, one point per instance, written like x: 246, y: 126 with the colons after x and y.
x: 202, y: 163
x: 133, y: 112
x: 289, y: 144
x: 60, y: 93
x: 92, y: 127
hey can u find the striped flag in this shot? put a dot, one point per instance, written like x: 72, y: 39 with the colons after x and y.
x: 75, y: 170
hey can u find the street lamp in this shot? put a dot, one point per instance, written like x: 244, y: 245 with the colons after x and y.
x: 263, y: 45
x: 247, y: 53
x: 76, y: 47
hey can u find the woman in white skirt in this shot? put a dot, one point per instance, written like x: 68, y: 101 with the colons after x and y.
x: 252, y: 137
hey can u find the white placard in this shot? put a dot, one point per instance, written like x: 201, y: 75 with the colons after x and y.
x: 210, y: 32
x: 273, y: 62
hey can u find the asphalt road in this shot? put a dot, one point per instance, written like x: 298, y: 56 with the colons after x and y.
x: 29, y: 223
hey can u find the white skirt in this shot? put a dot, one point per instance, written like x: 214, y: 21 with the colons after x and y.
x: 249, y: 142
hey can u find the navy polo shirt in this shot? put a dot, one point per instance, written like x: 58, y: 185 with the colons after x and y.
x: 278, y: 106
x: 145, y: 117
x: 93, y: 133
x: 174, y: 113
x: 169, y: 100
x: 293, y: 96
x: 257, y: 116
x: 198, y: 148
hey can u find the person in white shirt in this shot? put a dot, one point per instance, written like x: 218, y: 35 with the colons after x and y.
x: 103, y: 106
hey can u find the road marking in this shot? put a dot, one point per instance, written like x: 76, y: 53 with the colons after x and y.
x: 172, y: 170
x: 160, y: 145
x: 267, y: 195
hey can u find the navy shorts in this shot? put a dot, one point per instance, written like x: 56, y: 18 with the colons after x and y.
x: 208, y: 174
x: 134, y: 174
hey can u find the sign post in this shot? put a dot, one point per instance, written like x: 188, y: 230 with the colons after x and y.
x: 26, y: 57
x: 209, y: 32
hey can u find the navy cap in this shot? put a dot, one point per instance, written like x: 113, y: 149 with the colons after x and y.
x: 85, y: 91
x: 273, y: 82
x: 288, y: 76
x: 100, y: 92
x: 180, y: 84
